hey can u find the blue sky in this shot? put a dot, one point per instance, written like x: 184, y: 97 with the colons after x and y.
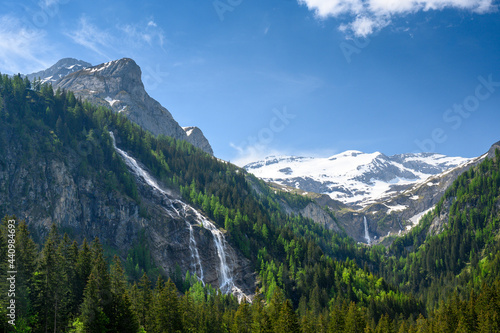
x: 307, y: 77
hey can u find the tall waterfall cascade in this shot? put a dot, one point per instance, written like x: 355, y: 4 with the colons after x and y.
x: 367, y: 234
x: 178, y: 209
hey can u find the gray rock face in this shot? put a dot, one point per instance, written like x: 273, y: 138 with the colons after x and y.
x: 61, y: 69
x: 314, y: 212
x: 196, y: 138
x: 118, y: 85
x: 492, y: 151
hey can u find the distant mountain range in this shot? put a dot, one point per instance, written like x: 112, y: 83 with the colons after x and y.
x: 354, y: 178
x: 118, y: 86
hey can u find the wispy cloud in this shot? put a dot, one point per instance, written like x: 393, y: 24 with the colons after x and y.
x: 22, y: 50
x: 137, y: 34
x: 93, y: 38
x: 369, y: 16
x: 118, y: 40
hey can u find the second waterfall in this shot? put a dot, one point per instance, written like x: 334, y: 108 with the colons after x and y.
x: 367, y: 234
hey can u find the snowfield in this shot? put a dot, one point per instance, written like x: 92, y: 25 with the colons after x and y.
x: 353, y: 177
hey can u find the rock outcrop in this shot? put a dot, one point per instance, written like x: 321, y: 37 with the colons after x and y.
x: 196, y: 138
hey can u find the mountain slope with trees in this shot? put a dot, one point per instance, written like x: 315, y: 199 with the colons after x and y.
x: 309, y: 278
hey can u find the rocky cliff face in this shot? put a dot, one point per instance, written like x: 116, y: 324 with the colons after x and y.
x: 46, y: 188
x: 314, y: 212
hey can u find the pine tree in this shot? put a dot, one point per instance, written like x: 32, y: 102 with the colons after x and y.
x: 51, y: 286
x: 92, y: 315
x: 83, y: 269
x: 26, y: 254
x: 166, y: 310
x: 337, y: 318
x: 123, y: 319
x: 354, y: 321
x: 143, y: 301
x: 101, y: 275
x: 242, y: 321
x: 288, y: 321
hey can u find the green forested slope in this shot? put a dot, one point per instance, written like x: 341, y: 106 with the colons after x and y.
x: 331, y: 283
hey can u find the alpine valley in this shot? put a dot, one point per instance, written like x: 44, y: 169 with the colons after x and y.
x: 124, y: 221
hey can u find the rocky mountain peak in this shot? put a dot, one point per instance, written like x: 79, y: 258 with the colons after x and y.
x: 61, y: 69
x: 125, y: 70
x: 118, y: 85
x: 107, y: 78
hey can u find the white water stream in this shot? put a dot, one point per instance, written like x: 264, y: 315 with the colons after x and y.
x: 367, y: 234
x: 177, y: 208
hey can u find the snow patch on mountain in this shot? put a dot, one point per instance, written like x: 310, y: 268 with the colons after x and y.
x: 111, y: 101
x: 416, y: 218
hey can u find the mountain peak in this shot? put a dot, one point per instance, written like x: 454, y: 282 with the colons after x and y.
x: 70, y: 62
x: 59, y: 70
x: 196, y: 138
x: 116, y: 67
x: 118, y: 85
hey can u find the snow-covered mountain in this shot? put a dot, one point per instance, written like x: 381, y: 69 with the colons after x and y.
x: 61, y: 69
x: 355, y: 178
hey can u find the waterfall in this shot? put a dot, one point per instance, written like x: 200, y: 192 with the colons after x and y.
x: 193, y: 247
x: 226, y: 281
x: 367, y: 234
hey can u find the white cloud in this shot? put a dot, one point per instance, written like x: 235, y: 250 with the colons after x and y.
x: 369, y: 16
x: 22, y: 49
x: 364, y: 26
